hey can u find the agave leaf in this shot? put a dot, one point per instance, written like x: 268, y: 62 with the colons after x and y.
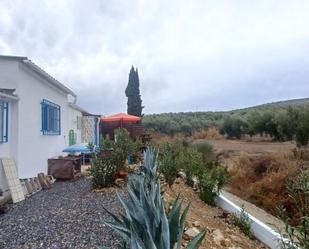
x: 134, y: 243
x: 165, y: 229
x: 122, y: 230
x: 158, y: 236
x: 124, y: 205
x: 113, y: 216
x: 148, y: 242
x: 182, y: 226
x: 174, y: 221
x: 196, y: 241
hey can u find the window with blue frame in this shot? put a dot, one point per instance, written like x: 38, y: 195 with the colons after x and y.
x: 50, y: 118
x: 4, y: 111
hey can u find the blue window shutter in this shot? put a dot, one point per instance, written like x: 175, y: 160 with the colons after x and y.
x: 4, y: 112
x: 50, y: 118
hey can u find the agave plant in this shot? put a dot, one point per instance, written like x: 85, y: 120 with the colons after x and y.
x: 145, y: 224
x: 150, y: 166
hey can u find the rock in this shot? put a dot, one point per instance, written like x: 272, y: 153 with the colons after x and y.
x: 191, y: 232
x: 182, y: 175
x: 163, y: 187
x: 2, y: 200
x: 235, y: 238
x: 186, y: 237
x: 177, y: 180
x: 218, y: 236
x: 225, y: 242
x: 184, y: 244
x: 196, y: 224
x: 120, y: 182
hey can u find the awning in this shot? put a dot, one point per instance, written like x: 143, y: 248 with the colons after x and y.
x: 121, y: 117
x: 78, y: 148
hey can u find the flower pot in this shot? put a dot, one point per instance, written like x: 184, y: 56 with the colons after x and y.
x: 123, y: 174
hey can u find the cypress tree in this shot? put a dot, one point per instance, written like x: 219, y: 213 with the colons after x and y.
x: 133, y: 94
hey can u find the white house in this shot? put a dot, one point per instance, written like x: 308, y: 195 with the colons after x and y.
x: 36, y: 116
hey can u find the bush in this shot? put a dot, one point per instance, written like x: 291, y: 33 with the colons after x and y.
x: 103, y: 172
x: 297, y: 233
x: 211, y: 181
x: 210, y: 133
x: 206, y: 150
x: 121, y: 148
x: 169, y: 160
x: 242, y: 221
x: 192, y: 163
x: 265, y: 179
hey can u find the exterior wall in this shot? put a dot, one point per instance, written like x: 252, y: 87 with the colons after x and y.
x: 72, y: 123
x: 9, y: 79
x: 26, y: 143
x: 34, y: 148
x: 8, y: 73
x: 9, y: 149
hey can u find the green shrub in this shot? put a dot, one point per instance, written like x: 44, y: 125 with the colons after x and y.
x: 243, y: 221
x: 103, y: 172
x: 192, y: 163
x: 169, y: 160
x: 210, y: 181
x: 207, y: 151
x: 145, y: 224
x: 296, y: 235
x: 121, y: 148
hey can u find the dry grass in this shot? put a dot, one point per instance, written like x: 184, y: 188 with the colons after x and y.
x: 210, y: 133
x: 262, y: 179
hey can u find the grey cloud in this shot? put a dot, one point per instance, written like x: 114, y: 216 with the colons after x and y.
x: 197, y: 55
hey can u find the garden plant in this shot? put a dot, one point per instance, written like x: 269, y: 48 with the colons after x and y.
x: 145, y: 223
x: 296, y: 235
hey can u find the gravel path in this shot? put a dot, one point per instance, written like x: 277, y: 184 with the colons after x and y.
x: 67, y: 216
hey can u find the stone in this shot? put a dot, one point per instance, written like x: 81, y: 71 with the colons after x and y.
x: 177, y: 180
x: 2, y: 200
x: 120, y: 182
x: 182, y: 175
x: 196, y: 223
x: 225, y: 242
x: 192, y: 232
x: 218, y: 236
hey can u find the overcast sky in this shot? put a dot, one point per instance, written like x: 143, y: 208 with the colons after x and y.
x: 191, y: 55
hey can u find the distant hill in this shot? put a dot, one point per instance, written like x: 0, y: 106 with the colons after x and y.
x: 187, y: 122
x: 281, y: 104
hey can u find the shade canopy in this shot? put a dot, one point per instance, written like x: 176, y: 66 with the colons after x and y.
x: 79, y: 148
x: 121, y: 117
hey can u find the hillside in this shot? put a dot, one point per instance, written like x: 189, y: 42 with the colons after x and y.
x: 281, y: 104
x: 188, y: 122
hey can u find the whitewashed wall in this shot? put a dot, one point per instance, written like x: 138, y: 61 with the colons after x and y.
x: 72, y: 123
x: 8, y: 79
x: 34, y: 148
x: 26, y: 143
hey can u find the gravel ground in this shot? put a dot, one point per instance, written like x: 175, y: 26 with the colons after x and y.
x: 67, y: 216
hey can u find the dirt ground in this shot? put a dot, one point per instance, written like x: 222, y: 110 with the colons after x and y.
x: 213, y: 219
x: 234, y: 147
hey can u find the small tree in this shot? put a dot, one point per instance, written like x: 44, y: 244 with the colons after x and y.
x: 302, y: 130
x: 132, y: 92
